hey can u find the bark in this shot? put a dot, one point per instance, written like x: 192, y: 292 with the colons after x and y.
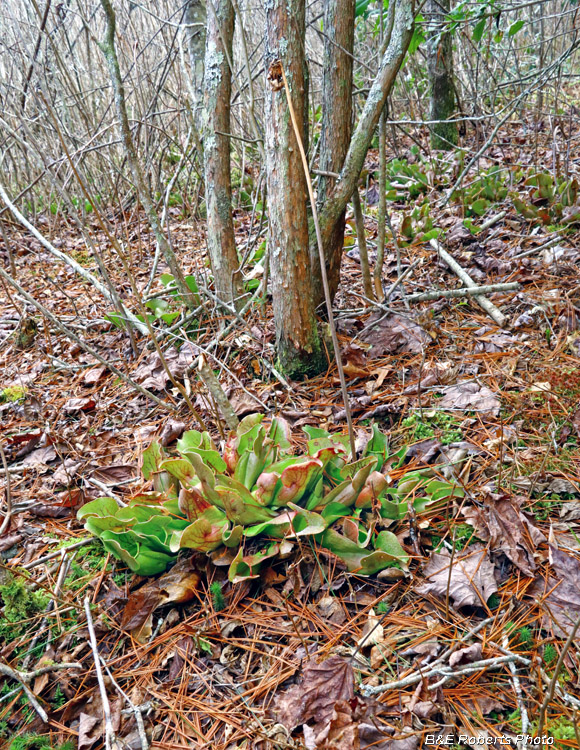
x: 195, y: 22
x: 444, y: 135
x: 336, y: 124
x: 216, y: 149
x: 391, y: 62
x: 110, y: 53
x: 297, y: 340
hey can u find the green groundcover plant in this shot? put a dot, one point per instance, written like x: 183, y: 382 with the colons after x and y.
x: 257, y: 500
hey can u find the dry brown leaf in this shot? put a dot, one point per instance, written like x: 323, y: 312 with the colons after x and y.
x: 330, y: 609
x: 472, y: 579
x: 74, y: 405
x: 320, y: 687
x: 465, y: 655
x: 93, y: 375
x: 559, y: 597
x: 469, y: 396
x: 243, y: 404
x: 115, y: 473
x: 501, y: 522
x: 395, y: 335
x: 151, y: 373
x: 373, y: 631
x: 178, y: 585
x: 172, y: 430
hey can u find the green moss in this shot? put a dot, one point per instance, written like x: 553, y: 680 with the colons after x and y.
x: 301, y: 364
x: 12, y: 394
x: 21, y: 603
x: 560, y: 729
x: 439, y: 424
x: 218, y: 599
x: 37, y: 742
x: 550, y: 653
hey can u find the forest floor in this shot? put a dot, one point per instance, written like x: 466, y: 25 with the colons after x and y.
x: 478, y: 625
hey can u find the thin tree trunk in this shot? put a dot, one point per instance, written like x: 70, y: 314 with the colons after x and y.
x: 110, y: 53
x: 336, y: 124
x: 391, y: 62
x: 297, y: 340
x: 444, y: 135
x: 221, y: 242
x: 195, y: 22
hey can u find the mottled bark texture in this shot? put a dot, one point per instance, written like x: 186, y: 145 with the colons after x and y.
x: 440, y: 66
x: 110, y: 52
x: 336, y: 126
x: 195, y: 21
x: 216, y: 149
x: 298, y: 344
x: 392, y: 60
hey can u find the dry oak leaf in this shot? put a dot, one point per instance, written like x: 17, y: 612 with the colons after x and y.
x: 501, y: 522
x: 151, y: 373
x: 178, y: 585
x: 559, y: 597
x: 395, y: 334
x: 465, y: 655
x: 320, y: 687
x: 472, y: 579
x: 470, y: 396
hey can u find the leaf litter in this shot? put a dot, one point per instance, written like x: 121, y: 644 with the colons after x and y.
x: 284, y: 660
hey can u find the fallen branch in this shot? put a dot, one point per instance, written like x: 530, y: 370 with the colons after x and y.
x: 493, y: 220
x: 25, y: 677
x: 470, y: 291
x: 71, y: 262
x: 110, y: 739
x: 7, y: 492
x: 482, y: 301
x: 415, y: 677
x: 136, y: 710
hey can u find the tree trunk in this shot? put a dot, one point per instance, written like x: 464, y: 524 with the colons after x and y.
x: 336, y: 125
x: 297, y: 340
x: 391, y: 62
x: 195, y: 23
x: 440, y: 66
x: 216, y: 148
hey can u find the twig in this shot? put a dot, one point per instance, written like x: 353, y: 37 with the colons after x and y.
x: 25, y: 677
x: 7, y: 492
x: 493, y: 220
x: 517, y: 690
x: 362, y: 244
x: 470, y: 291
x: 137, y: 710
x: 52, y: 555
x: 64, y: 567
x: 550, y: 694
x: 110, y: 739
x: 415, y: 677
x: 323, y: 273
x: 483, y: 302
x: 83, y: 345
x: 400, y: 278
x: 550, y: 243
x: 217, y: 392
